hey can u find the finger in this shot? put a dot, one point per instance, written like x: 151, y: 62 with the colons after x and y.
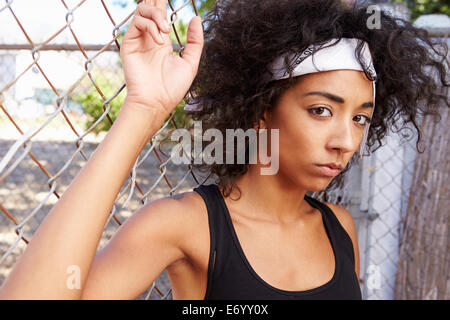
x: 194, y: 44
x: 161, y: 4
x: 148, y: 26
x: 155, y: 14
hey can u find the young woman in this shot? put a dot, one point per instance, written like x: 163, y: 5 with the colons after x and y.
x: 273, y: 242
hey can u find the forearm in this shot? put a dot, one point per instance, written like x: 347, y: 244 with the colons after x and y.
x: 70, y: 233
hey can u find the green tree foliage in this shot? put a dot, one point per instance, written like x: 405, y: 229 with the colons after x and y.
x: 203, y: 6
x: 421, y: 7
x: 91, y: 100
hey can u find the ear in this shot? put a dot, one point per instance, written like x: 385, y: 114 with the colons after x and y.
x: 263, y: 123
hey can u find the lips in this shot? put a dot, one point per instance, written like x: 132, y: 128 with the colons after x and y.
x: 329, y: 170
x: 333, y: 165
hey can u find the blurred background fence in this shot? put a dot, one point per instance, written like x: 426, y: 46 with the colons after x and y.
x: 61, y: 87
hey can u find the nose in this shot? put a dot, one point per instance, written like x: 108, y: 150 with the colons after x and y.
x: 344, y: 137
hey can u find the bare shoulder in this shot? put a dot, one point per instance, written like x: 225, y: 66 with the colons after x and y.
x: 344, y: 217
x: 180, y: 204
x: 158, y: 235
x: 181, y: 207
x: 183, y: 215
x: 168, y: 223
x: 184, y: 206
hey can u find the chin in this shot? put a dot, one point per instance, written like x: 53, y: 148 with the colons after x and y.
x: 318, y: 184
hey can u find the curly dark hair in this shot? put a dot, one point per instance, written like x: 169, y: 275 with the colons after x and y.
x: 243, y: 37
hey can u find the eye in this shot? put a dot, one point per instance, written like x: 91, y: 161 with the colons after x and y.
x: 319, y: 111
x: 362, y: 120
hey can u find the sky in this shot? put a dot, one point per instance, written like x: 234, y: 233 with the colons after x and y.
x: 41, y: 19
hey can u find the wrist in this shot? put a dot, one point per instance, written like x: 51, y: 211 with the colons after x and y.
x: 145, y: 121
x: 145, y: 110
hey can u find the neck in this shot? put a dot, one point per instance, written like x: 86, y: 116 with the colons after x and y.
x: 272, y: 198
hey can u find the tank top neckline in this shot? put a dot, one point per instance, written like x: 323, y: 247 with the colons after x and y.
x: 330, y: 234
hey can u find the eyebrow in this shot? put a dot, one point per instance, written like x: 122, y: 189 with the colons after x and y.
x: 335, y: 98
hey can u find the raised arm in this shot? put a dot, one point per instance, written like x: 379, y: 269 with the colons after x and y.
x: 69, y: 235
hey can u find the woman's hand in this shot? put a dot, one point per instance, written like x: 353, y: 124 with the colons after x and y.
x: 155, y: 78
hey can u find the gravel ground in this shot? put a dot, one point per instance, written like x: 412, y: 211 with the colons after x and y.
x: 26, y: 187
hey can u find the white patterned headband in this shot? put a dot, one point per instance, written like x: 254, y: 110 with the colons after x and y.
x: 336, y: 54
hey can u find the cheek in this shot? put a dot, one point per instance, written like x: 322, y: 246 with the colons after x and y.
x: 300, y: 136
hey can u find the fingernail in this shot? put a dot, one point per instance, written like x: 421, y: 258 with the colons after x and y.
x: 166, y: 25
x: 160, y: 37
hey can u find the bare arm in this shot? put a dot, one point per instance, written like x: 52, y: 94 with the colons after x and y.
x: 70, y: 233
x: 152, y: 239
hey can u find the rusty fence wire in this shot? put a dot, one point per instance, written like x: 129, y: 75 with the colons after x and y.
x: 44, y: 143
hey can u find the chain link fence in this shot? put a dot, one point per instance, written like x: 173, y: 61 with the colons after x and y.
x: 46, y: 138
x: 44, y: 142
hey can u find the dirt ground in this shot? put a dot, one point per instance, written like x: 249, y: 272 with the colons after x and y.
x: 26, y: 188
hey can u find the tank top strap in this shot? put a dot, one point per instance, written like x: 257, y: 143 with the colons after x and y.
x: 327, y: 214
x: 339, y: 234
x: 217, y: 225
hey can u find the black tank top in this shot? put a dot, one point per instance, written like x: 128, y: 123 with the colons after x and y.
x: 231, y: 277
